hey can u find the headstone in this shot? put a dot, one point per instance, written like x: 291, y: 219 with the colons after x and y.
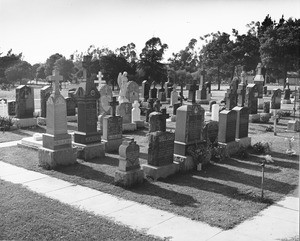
x: 259, y: 81
x: 44, y: 95
x: 132, y: 92
x: 71, y: 106
x: 162, y: 95
x: 129, y: 172
x: 241, y: 91
x: 174, y: 96
x: 11, y: 107
x: 103, y: 105
x: 251, y: 98
x: 293, y: 125
x: 24, y: 102
x: 112, y: 129
x: 210, y: 131
x: 87, y: 138
x: 153, y: 92
x: 145, y: 90
x: 276, y: 99
x: 227, y: 126
x: 175, y: 107
x: 215, y: 112
x: 57, y: 143
x: 149, y: 108
x: 157, y: 121
x: 136, y: 112
x: 231, y: 95
x: 211, y: 103
x: 192, y: 88
x: 124, y: 110
x: 242, y: 122
x: 266, y: 107
x: 286, y: 96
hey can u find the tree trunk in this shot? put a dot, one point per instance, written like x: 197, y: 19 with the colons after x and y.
x: 284, y: 74
x: 219, y: 81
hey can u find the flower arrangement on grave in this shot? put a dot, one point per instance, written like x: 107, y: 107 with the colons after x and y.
x: 269, y: 128
x: 290, y: 142
x: 218, y: 152
x: 199, y: 152
x: 5, y: 123
x: 264, y: 160
x: 262, y: 147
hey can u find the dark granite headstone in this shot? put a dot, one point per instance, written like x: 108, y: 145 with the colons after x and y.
x: 11, y: 107
x: 145, y: 90
x: 153, y: 93
x: 276, y: 99
x: 45, y: 93
x: 149, y: 108
x: 231, y: 95
x: 161, y: 148
x: 124, y: 110
x: 287, y: 94
x: 210, y: 131
x: 24, y: 102
x: 227, y: 126
x: 251, y: 98
x: 71, y: 106
x: 266, y: 107
x: 157, y: 121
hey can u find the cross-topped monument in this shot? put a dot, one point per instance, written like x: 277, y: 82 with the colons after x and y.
x: 56, y: 77
x: 157, y: 105
x: 113, y: 105
x: 100, y: 76
x: 164, y: 116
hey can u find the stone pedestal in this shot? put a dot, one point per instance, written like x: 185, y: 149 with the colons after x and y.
x: 41, y: 121
x: 129, y: 178
x: 129, y: 126
x: 90, y: 151
x: 26, y: 122
x: 286, y: 102
x: 156, y: 172
x: 244, y: 142
x: 31, y: 142
x: 254, y: 118
x: 50, y: 159
x: 231, y: 147
x: 112, y: 145
x: 139, y: 124
x: 72, y: 118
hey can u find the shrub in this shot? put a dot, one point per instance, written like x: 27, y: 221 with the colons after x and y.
x: 5, y: 123
x: 242, y: 153
x: 264, y: 118
x: 218, y: 152
x: 262, y: 148
x: 269, y: 128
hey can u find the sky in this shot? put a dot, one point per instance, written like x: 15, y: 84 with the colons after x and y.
x: 40, y: 28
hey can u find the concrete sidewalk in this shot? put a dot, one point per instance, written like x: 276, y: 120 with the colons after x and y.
x: 274, y: 223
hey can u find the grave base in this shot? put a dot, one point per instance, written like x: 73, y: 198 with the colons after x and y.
x: 129, y: 127
x: 30, y: 142
x: 293, y: 125
x: 264, y: 117
x: 112, y: 145
x: 140, y: 124
x: 204, y: 101
x: 274, y: 111
x: 244, y: 142
x: 130, y: 178
x: 231, y: 147
x: 254, y: 118
x: 156, y: 172
x: 89, y: 151
x: 26, y: 122
x: 50, y: 159
x: 186, y: 163
x: 171, y: 119
x: 286, y: 102
x: 41, y: 121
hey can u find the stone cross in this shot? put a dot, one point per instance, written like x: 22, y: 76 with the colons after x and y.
x: 164, y: 117
x: 100, y: 76
x: 259, y: 69
x: 113, y: 105
x: 56, y: 78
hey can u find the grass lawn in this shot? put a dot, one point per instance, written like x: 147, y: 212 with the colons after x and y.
x: 223, y: 195
x: 26, y: 215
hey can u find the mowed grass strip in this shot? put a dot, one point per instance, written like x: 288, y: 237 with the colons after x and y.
x: 26, y: 215
x: 223, y: 195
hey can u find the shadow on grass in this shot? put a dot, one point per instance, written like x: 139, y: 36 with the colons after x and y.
x: 251, y: 165
x: 107, y: 160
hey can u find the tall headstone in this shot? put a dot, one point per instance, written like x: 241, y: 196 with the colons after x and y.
x: 132, y: 92
x: 227, y: 130
x: 192, y: 88
x: 24, y: 102
x: 71, y: 107
x: 45, y: 92
x: 251, y: 98
x: 57, y: 146
x: 129, y: 172
x: 286, y: 96
x: 215, y: 109
x: 104, y: 107
x: 87, y: 137
x: 241, y: 91
x: 153, y: 92
x: 242, y: 126
x: 189, y: 131
x: 145, y: 90
x: 112, y: 129
x: 150, y: 108
x: 157, y: 120
x: 11, y: 107
x: 174, y: 96
x: 259, y: 81
x: 3, y: 108
x: 276, y: 99
x: 231, y: 95
x: 136, y: 115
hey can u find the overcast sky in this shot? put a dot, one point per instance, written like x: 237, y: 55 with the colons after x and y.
x: 39, y: 28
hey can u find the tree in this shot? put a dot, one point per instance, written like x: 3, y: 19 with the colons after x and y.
x: 217, y: 54
x: 280, y: 46
x: 65, y: 68
x: 18, y: 72
x: 187, y: 59
x: 150, y: 61
x: 50, y: 63
x: 40, y: 72
x: 6, y: 61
